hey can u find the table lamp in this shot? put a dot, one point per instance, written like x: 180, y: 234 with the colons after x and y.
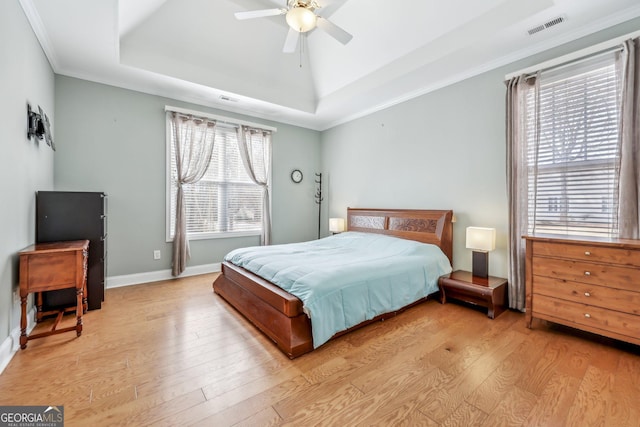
x: 336, y: 225
x: 481, y: 240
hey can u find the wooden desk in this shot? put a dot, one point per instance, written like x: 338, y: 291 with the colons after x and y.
x: 48, y: 267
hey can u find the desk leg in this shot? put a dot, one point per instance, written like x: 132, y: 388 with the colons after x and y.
x: 79, y: 310
x: 38, y: 298
x: 23, y: 322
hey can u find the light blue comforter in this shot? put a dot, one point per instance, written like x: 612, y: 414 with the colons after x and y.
x: 348, y: 278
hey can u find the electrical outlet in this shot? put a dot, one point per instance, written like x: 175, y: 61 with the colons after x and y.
x: 156, y: 254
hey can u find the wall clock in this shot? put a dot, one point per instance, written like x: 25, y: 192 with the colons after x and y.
x: 296, y: 176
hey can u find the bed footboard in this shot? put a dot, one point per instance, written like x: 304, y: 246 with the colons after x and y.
x: 275, y: 312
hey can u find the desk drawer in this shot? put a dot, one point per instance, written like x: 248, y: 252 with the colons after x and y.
x: 49, y: 271
x: 609, y: 298
x: 593, y: 317
x: 598, y: 274
x: 588, y: 253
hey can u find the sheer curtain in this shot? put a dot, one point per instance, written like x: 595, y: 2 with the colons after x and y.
x: 255, y: 151
x: 629, y: 210
x: 194, y: 141
x: 519, y: 89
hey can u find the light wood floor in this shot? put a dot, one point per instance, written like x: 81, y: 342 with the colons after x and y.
x: 174, y: 354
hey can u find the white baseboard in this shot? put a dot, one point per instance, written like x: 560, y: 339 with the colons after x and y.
x: 155, y: 276
x: 11, y: 344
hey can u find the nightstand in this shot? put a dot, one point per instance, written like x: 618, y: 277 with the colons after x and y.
x: 462, y: 285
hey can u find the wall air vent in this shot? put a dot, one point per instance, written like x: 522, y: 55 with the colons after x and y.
x: 551, y: 23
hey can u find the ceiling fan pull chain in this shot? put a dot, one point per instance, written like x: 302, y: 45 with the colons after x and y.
x: 302, y: 39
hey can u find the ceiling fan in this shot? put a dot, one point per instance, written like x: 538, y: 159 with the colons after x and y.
x: 302, y: 17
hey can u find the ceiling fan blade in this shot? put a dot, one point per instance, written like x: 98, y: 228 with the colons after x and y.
x: 329, y: 7
x: 259, y: 13
x: 291, y: 41
x: 333, y: 30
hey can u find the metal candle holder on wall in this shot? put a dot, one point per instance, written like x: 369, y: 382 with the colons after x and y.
x: 318, y: 199
x: 38, y: 126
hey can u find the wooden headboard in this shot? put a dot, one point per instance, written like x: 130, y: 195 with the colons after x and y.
x: 424, y: 226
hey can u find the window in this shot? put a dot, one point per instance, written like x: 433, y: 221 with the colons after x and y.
x: 225, y: 202
x: 573, y: 153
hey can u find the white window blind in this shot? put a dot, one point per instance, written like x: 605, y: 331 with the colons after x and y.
x: 573, y: 153
x: 225, y: 201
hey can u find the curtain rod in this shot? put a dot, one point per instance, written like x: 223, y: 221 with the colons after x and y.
x: 573, y: 57
x: 223, y: 119
x: 574, y: 61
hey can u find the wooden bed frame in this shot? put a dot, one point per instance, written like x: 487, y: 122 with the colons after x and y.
x: 279, y: 314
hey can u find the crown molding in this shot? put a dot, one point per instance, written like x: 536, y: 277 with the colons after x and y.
x: 559, y: 40
x: 34, y: 19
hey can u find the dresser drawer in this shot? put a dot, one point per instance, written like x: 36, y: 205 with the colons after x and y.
x: 588, y: 253
x: 599, y: 274
x: 590, y: 316
x: 614, y: 299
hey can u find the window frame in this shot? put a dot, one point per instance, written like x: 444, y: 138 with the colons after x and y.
x: 228, y: 121
x: 558, y: 204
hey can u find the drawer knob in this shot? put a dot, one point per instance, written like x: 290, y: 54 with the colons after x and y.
x: 587, y: 253
x: 587, y: 294
x: 587, y: 273
x: 587, y: 315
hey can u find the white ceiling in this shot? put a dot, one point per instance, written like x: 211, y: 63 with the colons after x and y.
x: 196, y: 51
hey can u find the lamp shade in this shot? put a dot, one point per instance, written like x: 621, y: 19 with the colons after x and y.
x: 336, y: 225
x: 481, y: 238
x: 301, y: 19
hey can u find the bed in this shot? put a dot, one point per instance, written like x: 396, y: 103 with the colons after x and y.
x: 281, y: 316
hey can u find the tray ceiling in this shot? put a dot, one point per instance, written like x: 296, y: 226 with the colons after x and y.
x: 196, y: 51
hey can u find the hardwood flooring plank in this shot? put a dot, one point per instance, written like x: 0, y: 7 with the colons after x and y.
x: 208, y: 373
x: 251, y: 376
x: 417, y: 322
x: 512, y: 410
x: 441, y: 402
x: 490, y: 393
x: 316, y: 403
x: 629, y: 369
x: 382, y: 400
x: 395, y: 338
x: 377, y: 377
x: 538, y: 375
x: 404, y: 416
x: 236, y: 405
x: 465, y: 415
x: 402, y: 344
x: 589, y: 407
x: 266, y: 418
x: 623, y: 407
x: 138, y: 412
x: 552, y: 408
x: 409, y: 401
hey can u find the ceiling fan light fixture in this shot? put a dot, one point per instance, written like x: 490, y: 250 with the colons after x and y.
x: 301, y: 19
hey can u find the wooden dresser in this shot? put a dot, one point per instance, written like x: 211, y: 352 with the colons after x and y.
x: 588, y: 284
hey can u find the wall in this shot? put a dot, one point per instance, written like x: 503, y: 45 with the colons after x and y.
x: 25, y: 166
x: 113, y: 140
x: 443, y: 150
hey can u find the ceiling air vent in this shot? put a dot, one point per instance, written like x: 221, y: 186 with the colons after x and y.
x: 228, y: 98
x: 551, y: 23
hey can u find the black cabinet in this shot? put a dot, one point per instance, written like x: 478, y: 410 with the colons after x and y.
x: 67, y: 215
